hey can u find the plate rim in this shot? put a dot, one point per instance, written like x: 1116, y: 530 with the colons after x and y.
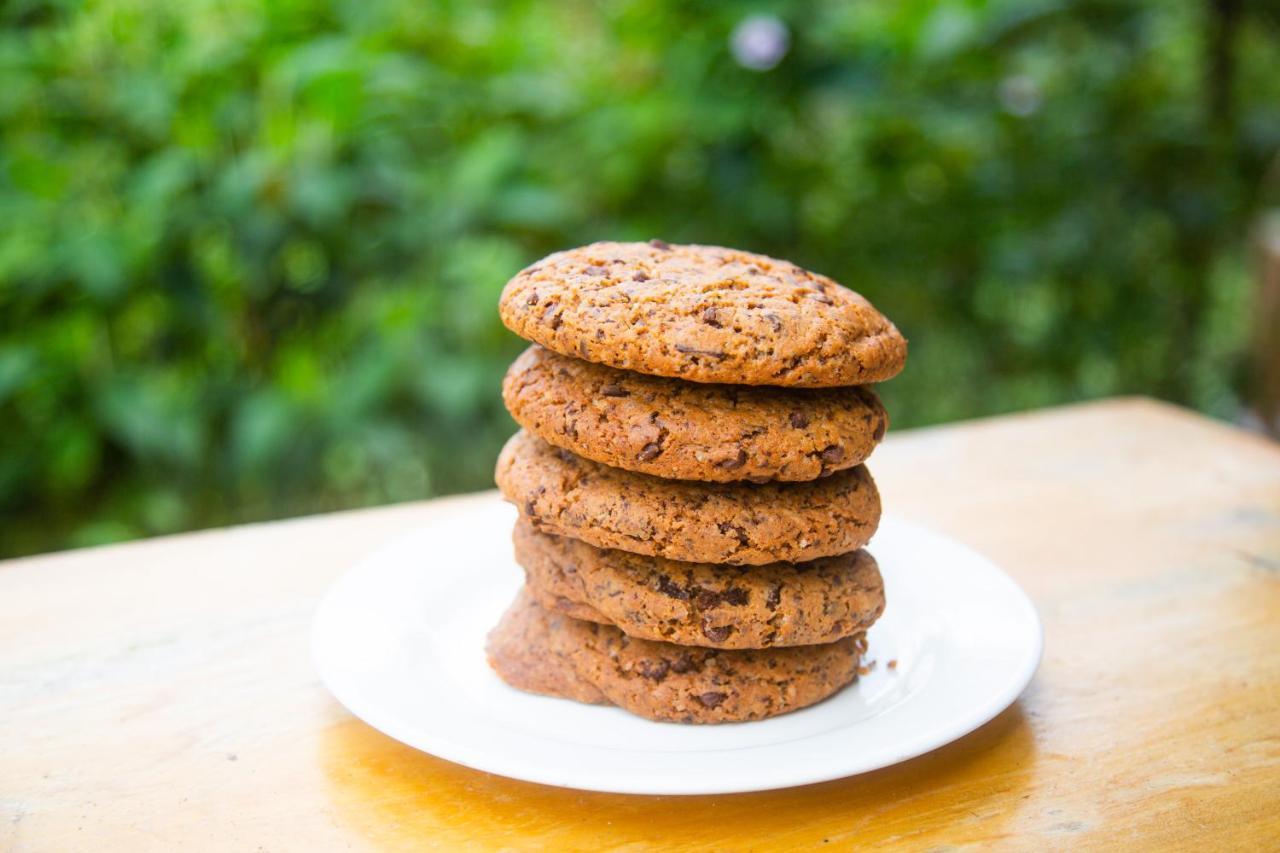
x: 449, y: 749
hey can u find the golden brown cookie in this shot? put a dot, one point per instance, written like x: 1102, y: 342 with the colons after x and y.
x: 735, y: 523
x: 697, y: 604
x: 543, y: 652
x: 689, y: 431
x: 702, y: 313
x: 511, y: 649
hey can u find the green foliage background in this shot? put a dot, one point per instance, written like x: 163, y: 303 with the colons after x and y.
x: 250, y: 249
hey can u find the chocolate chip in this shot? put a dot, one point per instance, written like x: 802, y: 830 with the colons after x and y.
x: 734, y: 530
x: 716, y: 633
x: 640, y: 276
x: 594, y: 270
x: 774, y: 597
x: 683, y: 664
x: 817, y: 296
x: 712, y: 699
x: 711, y: 317
x: 734, y: 463
x: 614, y: 391
x: 659, y: 244
x: 551, y: 315
x: 736, y: 596
x: 533, y: 298
x: 582, y: 349
x: 833, y: 454
x: 654, y: 670
x: 774, y: 320
x: 879, y: 433
x: 758, y: 479
x: 672, y: 590
x: 799, y: 420
x: 706, y: 598
x: 649, y: 452
x: 529, y: 508
x: 688, y: 350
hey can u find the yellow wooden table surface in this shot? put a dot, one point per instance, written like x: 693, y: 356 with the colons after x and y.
x: 160, y: 695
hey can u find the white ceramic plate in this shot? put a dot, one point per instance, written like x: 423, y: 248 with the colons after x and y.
x: 400, y: 641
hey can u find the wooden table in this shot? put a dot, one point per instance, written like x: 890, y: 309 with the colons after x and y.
x: 159, y: 695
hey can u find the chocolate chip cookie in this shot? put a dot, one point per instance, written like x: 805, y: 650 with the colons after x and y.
x: 696, y: 604
x: 515, y: 648
x: 544, y: 652
x: 689, y: 431
x: 704, y: 314
x: 734, y: 523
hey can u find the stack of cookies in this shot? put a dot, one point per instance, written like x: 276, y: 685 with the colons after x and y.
x: 692, y: 500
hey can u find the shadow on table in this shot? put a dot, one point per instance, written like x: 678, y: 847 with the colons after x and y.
x: 395, y: 795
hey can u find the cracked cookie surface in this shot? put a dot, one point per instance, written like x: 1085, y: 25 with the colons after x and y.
x: 733, y: 523
x: 550, y: 653
x: 703, y: 314
x: 690, y: 431
x: 698, y: 604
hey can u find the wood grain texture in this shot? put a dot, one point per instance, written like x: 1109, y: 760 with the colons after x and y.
x: 159, y: 695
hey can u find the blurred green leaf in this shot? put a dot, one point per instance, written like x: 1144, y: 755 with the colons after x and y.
x: 250, y: 252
